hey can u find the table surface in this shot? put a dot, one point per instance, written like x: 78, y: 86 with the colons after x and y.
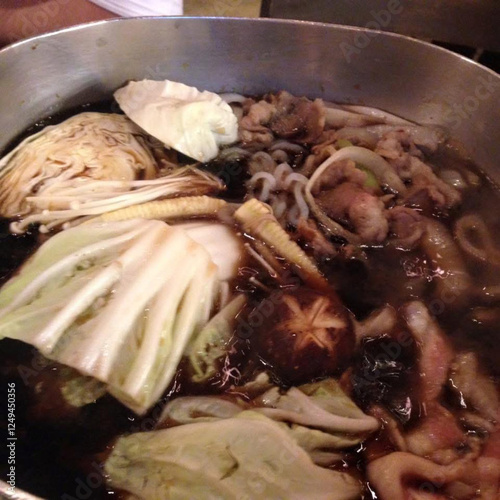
x: 225, y: 8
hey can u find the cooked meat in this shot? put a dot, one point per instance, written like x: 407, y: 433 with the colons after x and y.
x: 475, y: 389
x: 395, y: 144
x: 298, y: 118
x: 436, y: 353
x: 252, y: 127
x: 439, y: 436
x: 339, y: 172
x: 285, y: 116
x: 406, y: 226
x: 404, y: 476
x: 426, y: 190
x: 350, y: 204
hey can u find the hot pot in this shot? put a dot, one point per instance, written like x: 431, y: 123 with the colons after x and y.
x: 43, y: 76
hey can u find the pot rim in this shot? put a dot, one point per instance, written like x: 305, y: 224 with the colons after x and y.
x: 249, y: 20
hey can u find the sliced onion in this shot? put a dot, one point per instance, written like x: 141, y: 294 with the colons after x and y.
x: 336, y: 117
x: 358, y: 134
x: 382, y: 116
x: 382, y: 170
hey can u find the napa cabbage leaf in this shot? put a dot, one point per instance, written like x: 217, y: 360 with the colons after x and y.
x: 319, y: 417
x: 116, y: 301
x: 244, y: 457
x: 211, y: 344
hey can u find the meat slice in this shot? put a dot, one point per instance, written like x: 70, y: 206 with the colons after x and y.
x: 436, y: 352
x: 489, y: 466
x: 439, y: 436
x: 259, y: 114
x: 350, y: 204
x: 406, y: 226
x: 341, y: 171
x: 404, y: 476
x: 427, y: 190
x: 308, y: 231
x: 476, y: 389
x: 395, y: 144
x: 253, y: 125
x: 282, y: 115
x: 298, y: 118
x: 489, y: 477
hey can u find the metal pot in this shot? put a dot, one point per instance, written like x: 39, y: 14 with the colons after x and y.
x: 45, y: 75
x: 421, y: 82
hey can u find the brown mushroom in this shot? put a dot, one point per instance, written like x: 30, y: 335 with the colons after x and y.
x: 308, y: 335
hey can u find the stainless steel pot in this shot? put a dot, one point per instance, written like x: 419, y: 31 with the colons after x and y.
x: 421, y: 82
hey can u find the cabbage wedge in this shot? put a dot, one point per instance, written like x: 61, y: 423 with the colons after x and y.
x: 247, y: 456
x: 192, y: 122
x: 88, y: 165
x: 116, y: 301
x: 92, y: 146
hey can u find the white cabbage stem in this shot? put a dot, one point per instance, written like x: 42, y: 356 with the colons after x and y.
x: 299, y: 408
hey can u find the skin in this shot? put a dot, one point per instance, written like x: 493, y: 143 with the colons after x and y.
x: 21, y: 19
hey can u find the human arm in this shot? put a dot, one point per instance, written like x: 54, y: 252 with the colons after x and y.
x: 25, y: 18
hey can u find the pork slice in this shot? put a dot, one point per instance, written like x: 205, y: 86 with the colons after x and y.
x: 350, y: 204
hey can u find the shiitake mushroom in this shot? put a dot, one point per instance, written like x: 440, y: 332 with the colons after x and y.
x: 305, y: 335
